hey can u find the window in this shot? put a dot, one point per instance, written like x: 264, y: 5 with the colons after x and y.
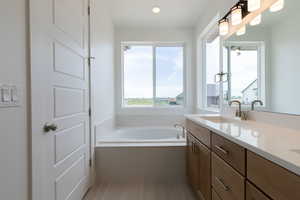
x: 153, y: 75
x: 243, y: 63
x: 212, y: 67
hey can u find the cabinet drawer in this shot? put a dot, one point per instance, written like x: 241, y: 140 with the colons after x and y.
x: 227, y: 182
x: 202, y: 134
x: 215, y: 196
x: 254, y: 194
x: 275, y: 181
x: 232, y: 153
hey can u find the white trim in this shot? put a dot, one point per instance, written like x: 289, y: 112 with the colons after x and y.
x: 261, y: 65
x: 201, y: 62
x: 154, y: 46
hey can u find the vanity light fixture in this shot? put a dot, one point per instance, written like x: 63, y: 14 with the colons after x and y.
x: 254, y: 5
x: 241, y: 31
x: 223, y: 27
x: 256, y: 20
x: 277, y: 6
x: 240, y: 10
x: 156, y: 9
x: 236, y: 15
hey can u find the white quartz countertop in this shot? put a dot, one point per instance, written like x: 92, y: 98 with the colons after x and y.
x: 277, y: 144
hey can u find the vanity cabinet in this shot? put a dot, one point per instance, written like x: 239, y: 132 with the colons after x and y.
x: 199, y: 166
x: 220, y: 169
x: 204, y: 167
x: 202, y: 134
x: 275, y: 181
x: 230, y: 152
x: 226, y: 181
x: 192, y: 163
x: 252, y: 193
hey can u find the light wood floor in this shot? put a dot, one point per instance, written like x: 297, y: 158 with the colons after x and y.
x: 141, y: 191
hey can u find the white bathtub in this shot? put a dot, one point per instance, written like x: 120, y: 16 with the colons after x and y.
x: 143, y: 136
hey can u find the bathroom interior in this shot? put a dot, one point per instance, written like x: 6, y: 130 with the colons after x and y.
x: 149, y: 100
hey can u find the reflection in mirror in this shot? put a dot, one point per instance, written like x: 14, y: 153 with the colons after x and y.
x: 263, y: 64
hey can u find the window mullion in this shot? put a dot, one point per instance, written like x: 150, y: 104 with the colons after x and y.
x: 154, y: 75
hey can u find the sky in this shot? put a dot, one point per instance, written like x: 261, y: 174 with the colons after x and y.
x: 138, y: 72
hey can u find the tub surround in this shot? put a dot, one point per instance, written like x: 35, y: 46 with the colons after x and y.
x: 142, y: 137
x: 138, y: 120
x: 127, y: 165
x: 275, y: 143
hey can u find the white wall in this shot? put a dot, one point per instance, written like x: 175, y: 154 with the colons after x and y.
x: 102, y: 48
x: 285, y: 70
x: 155, y: 35
x: 14, y: 136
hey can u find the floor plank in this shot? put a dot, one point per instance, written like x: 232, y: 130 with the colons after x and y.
x: 141, y: 191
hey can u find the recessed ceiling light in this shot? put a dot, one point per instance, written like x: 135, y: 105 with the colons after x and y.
x: 156, y: 9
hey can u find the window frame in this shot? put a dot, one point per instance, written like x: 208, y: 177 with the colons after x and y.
x: 212, y: 30
x: 261, y: 67
x: 154, y: 45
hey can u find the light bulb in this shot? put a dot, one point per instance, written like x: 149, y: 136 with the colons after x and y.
x: 277, y: 6
x: 256, y: 20
x: 236, y: 16
x: 156, y: 9
x: 223, y: 27
x: 241, y: 31
x: 254, y: 5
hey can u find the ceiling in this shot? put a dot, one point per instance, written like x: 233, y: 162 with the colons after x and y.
x: 174, y: 13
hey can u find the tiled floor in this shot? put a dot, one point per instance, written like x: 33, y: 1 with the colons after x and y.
x: 142, y: 191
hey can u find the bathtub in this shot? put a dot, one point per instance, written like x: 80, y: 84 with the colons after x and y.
x: 143, y: 136
x: 147, y: 154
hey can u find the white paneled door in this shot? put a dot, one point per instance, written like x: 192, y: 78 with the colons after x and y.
x: 60, y: 99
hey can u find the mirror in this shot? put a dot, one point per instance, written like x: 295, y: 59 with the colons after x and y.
x: 264, y: 64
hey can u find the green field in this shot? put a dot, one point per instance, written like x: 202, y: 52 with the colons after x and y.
x: 145, y: 102
x: 142, y: 102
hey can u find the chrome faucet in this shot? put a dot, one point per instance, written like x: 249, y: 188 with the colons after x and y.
x: 239, y: 112
x: 254, y: 102
x: 183, y: 128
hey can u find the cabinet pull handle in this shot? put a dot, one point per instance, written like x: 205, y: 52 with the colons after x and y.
x: 226, y: 188
x: 193, y: 147
x: 196, y: 149
x: 222, y: 150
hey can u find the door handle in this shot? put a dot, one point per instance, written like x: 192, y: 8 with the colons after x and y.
x: 50, y: 127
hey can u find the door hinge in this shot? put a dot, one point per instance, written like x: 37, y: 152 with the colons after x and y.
x: 89, y: 10
x: 90, y: 162
x: 90, y: 112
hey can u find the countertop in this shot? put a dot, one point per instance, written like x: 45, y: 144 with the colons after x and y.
x: 277, y: 144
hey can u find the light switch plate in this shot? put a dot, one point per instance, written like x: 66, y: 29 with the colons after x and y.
x: 9, y: 96
x: 14, y: 94
x: 6, y: 95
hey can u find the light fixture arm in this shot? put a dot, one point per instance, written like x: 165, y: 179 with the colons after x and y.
x: 243, y: 4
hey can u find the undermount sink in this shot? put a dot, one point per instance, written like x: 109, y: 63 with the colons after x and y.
x: 216, y: 119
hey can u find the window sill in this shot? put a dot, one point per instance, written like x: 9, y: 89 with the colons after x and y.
x: 152, y: 110
x: 153, y: 107
x: 209, y: 110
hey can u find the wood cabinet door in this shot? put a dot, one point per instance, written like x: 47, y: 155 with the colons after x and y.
x: 275, y: 181
x: 192, y: 163
x: 204, y: 170
x: 254, y: 194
